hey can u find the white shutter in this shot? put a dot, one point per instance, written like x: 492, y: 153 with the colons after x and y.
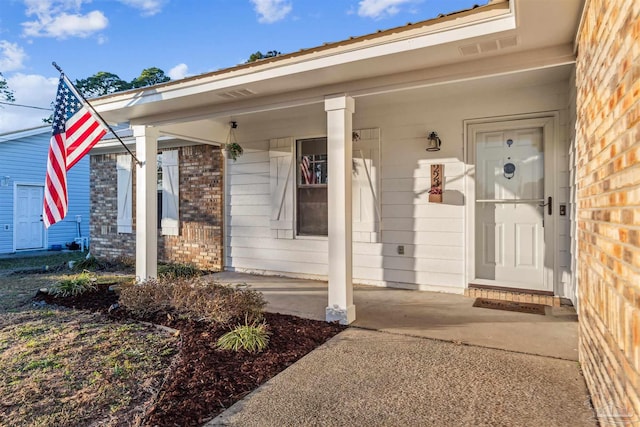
x: 365, y: 186
x: 170, y: 193
x: 282, y: 180
x: 125, y: 192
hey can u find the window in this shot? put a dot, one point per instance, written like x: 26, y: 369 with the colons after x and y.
x: 312, y: 208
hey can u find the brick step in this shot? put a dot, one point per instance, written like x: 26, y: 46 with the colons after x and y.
x: 511, y: 295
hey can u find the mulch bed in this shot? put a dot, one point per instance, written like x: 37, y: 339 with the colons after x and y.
x: 205, y: 381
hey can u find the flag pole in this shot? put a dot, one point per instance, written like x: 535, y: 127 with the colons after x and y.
x: 57, y: 67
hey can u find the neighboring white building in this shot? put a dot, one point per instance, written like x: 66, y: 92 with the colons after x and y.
x: 23, y: 167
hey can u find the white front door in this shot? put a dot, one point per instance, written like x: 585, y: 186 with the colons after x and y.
x: 509, y: 216
x: 29, y: 229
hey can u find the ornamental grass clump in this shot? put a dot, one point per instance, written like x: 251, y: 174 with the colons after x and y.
x: 70, y: 286
x: 252, y: 337
x: 200, y: 300
x: 193, y: 299
x: 148, y: 298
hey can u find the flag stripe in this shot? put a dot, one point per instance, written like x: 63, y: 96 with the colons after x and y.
x: 75, y: 131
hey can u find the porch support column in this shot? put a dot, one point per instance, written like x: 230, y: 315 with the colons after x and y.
x: 340, y: 109
x: 146, y: 202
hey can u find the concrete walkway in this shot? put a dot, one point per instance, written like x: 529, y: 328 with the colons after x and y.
x: 406, y: 363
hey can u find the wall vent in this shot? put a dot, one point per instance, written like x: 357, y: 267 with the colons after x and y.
x: 488, y: 46
x: 235, y: 94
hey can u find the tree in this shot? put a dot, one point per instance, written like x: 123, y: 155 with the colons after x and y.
x: 101, y: 83
x: 6, y: 94
x: 149, y: 77
x: 259, y: 55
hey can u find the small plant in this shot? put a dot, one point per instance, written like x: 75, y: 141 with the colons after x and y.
x: 71, y: 286
x: 234, y: 149
x: 176, y: 270
x: 91, y: 263
x: 252, y: 337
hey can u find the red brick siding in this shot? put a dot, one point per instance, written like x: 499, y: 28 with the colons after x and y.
x: 200, y: 239
x: 608, y: 206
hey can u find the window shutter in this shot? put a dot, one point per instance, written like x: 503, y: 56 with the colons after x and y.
x: 282, y: 187
x: 170, y: 193
x: 365, y: 185
x: 125, y: 192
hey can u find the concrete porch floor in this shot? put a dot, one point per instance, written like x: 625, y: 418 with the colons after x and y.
x: 405, y: 363
x: 433, y: 315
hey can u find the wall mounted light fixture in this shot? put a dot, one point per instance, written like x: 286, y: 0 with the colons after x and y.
x: 4, y: 181
x: 433, y: 142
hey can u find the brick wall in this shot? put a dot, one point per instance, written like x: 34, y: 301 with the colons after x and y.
x: 200, y: 239
x: 608, y: 206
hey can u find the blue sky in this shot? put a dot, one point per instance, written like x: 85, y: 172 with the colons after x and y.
x: 182, y: 37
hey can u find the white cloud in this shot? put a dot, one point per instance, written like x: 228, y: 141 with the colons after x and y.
x: 29, y: 89
x: 12, y: 56
x: 148, y: 7
x: 178, y: 72
x: 271, y: 11
x: 380, y: 8
x: 62, y: 19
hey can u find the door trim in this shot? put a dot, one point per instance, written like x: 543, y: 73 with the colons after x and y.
x: 45, y: 236
x: 548, y: 121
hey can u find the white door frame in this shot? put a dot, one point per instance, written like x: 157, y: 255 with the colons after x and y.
x: 45, y: 239
x: 549, y: 123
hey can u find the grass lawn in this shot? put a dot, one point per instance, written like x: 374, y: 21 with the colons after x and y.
x: 65, y: 367
x: 52, y: 259
x: 21, y: 277
x: 61, y: 367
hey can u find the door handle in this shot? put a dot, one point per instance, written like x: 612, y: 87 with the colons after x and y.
x: 549, y: 205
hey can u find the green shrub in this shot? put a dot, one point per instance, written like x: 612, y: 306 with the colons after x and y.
x: 177, y: 270
x: 90, y: 263
x: 252, y: 337
x: 74, y: 285
x: 194, y: 299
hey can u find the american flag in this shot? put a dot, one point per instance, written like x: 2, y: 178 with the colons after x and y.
x: 305, y: 169
x: 75, y: 131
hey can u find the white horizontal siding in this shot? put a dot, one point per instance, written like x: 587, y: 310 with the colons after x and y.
x: 431, y: 234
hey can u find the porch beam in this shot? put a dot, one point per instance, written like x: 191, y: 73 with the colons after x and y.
x: 340, y: 109
x: 146, y: 202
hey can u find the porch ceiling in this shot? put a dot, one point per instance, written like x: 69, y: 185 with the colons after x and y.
x: 497, y: 39
x: 215, y: 129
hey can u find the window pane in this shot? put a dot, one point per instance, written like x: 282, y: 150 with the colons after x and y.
x: 312, y: 206
x: 313, y: 211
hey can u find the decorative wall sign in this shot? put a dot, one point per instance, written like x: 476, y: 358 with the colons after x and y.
x: 437, y: 181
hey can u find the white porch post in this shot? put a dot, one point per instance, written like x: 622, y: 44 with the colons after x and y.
x: 146, y: 202
x: 339, y: 110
